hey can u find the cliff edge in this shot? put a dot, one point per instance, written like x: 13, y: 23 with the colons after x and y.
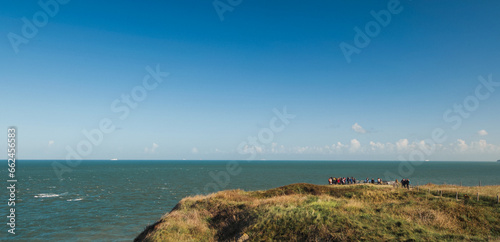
x: 306, y: 212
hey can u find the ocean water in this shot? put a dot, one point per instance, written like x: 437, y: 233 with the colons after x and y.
x: 116, y: 200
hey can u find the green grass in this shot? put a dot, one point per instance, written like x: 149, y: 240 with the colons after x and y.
x: 306, y: 212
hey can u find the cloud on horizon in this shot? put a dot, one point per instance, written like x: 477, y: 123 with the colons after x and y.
x: 355, y: 145
x: 400, y: 147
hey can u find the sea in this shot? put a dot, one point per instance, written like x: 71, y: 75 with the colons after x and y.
x: 115, y: 200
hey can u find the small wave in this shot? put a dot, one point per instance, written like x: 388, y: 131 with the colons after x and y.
x: 45, y: 195
x: 42, y: 195
x: 73, y: 200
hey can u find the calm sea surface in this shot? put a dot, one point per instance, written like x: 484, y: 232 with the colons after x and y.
x: 115, y: 200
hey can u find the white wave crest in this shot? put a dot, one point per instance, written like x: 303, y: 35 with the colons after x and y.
x: 45, y: 195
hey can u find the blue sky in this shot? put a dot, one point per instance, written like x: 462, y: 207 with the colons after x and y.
x: 226, y: 77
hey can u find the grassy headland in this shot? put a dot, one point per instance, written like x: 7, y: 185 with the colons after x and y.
x: 306, y: 212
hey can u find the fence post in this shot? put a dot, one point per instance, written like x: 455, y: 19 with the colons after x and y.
x: 441, y: 193
x: 478, y: 196
x: 457, y: 195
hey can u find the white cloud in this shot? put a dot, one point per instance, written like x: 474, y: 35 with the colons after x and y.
x: 474, y: 147
x: 338, y: 148
x: 358, y: 129
x: 483, y: 146
x: 246, y: 149
x: 461, y: 145
x: 376, y: 146
x: 194, y: 150
x: 482, y: 132
x: 51, y: 142
x: 403, y: 147
x: 355, y: 145
x: 152, y: 149
x: 301, y: 150
x: 424, y: 147
x: 402, y: 144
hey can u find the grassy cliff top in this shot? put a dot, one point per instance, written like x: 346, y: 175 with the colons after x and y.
x: 307, y: 212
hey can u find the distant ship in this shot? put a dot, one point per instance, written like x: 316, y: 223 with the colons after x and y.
x: 114, y: 159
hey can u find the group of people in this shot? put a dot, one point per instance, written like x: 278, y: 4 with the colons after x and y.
x: 372, y: 181
x: 351, y: 180
x: 404, y: 182
x: 341, y: 180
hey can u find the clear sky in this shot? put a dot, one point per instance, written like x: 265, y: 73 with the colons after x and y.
x: 66, y: 67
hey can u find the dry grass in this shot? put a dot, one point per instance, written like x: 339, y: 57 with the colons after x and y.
x: 491, y: 191
x: 425, y: 217
x: 305, y: 212
x: 182, y: 225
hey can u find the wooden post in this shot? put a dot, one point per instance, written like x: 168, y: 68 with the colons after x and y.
x: 441, y: 193
x: 478, y: 196
x: 429, y: 190
x: 457, y: 195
